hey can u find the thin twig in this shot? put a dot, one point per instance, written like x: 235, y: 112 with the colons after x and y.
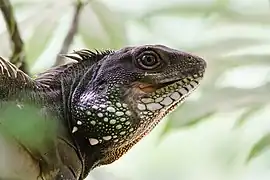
x: 18, y: 55
x: 71, y: 33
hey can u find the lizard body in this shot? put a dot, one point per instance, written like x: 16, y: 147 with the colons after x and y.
x: 104, y: 102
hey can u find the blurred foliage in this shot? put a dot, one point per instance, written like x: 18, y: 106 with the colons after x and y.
x: 218, y: 38
x: 27, y: 124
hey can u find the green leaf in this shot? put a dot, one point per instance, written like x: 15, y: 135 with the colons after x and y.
x: 198, y: 119
x: 114, y: 26
x: 181, y: 10
x: 100, y: 32
x: 27, y: 125
x: 261, y: 146
x: 39, y: 40
x: 223, y: 46
x: 221, y: 10
x: 246, y: 116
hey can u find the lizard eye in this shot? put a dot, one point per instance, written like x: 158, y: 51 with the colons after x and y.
x: 148, y: 61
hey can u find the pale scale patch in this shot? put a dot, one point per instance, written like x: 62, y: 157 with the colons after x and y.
x: 118, y: 104
x: 166, y: 101
x: 119, y: 113
x: 175, y: 96
x: 141, y: 107
x: 93, y: 122
x: 147, y: 100
x: 79, y: 122
x: 123, y: 119
x: 128, y: 113
x: 193, y: 83
x: 113, y: 121
x: 74, y: 129
x: 111, y: 109
x: 93, y: 141
x: 100, y: 115
x: 103, y: 106
x: 159, y: 99
x: 119, y: 126
x: 189, y: 87
x: 153, y: 106
x: 183, y: 91
x: 107, y: 138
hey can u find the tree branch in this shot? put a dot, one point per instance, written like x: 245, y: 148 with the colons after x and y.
x: 71, y: 33
x: 18, y: 55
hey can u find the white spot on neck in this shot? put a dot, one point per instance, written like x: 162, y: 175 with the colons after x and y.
x: 102, y: 105
x: 107, y: 138
x: 119, y: 126
x: 141, y: 107
x: 93, y: 141
x: 113, y: 121
x: 118, y: 104
x: 123, y: 119
x: 93, y: 122
x: 79, y: 122
x: 74, y: 129
x: 100, y: 115
x: 110, y: 109
x: 119, y: 113
x: 128, y: 113
x: 122, y: 132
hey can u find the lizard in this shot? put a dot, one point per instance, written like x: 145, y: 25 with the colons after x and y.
x: 104, y: 102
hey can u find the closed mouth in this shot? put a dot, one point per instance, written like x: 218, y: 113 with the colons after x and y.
x: 179, y: 82
x: 149, y: 88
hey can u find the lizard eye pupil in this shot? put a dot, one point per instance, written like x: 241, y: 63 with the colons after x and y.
x: 148, y: 61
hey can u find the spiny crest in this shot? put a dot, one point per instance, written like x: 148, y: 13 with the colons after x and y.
x: 83, y: 58
x: 15, y: 75
x: 86, y: 54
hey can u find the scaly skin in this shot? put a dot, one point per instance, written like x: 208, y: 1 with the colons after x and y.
x: 104, y: 103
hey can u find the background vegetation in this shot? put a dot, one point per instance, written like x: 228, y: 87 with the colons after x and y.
x: 222, y: 131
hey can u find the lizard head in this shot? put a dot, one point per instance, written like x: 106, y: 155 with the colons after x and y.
x: 130, y: 91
